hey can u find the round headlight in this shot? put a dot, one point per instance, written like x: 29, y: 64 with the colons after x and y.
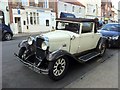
x: 30, y: 40
x: 44, y: 45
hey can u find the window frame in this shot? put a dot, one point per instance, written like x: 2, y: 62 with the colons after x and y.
x: 92, y: 28
x: 73, y: 8
x: 63, y: 22
x: 65, y: 7
x: 47, y: 22
x: 31, y: 18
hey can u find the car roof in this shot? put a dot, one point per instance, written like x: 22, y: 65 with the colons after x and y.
x: 76, y: 19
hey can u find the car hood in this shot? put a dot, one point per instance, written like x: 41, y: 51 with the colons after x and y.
x: 59, y: 39
x: 109, y: 33
x: 57, y: 34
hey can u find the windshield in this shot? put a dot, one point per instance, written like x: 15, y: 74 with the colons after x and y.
x: 68, y: 26
x: 112, y: 27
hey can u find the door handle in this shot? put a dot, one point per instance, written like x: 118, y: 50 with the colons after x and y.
x: 73, y: 37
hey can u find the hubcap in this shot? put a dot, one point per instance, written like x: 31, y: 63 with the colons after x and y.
x: 59, y: 67
x: 8, y: 36
x: 102, y: 48
x: 24, y: 54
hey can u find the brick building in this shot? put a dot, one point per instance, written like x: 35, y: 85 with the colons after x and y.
x: 106, y: 10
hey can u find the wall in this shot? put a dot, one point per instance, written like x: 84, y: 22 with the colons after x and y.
x: 79, y: 13
x: 90, y: 6
x: 119, y: 11
x: 3, y: 5
x: 36, y: 21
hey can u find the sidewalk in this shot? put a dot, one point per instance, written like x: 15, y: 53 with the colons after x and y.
x: 27, y: 34
x: 103, y: 76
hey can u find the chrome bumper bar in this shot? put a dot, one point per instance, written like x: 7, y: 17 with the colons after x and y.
x: 32, y: 66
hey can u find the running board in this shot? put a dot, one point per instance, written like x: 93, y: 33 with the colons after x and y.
x: 88, y: 56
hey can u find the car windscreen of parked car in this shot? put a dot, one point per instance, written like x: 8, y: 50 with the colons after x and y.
x: 68, y: 26
x: 112, y: 27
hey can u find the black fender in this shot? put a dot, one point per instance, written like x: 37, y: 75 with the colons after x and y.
x: 23, y: 44
x: 59, y: 53
x: 102, y: 40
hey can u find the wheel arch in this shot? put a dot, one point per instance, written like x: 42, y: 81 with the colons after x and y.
x: 61, y: 53
x: 101, y: 40
x: 23, y: 44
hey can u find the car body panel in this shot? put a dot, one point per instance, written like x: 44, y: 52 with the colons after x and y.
x: 109, y: 31
x: 57, y: 39
x: 5, y: 29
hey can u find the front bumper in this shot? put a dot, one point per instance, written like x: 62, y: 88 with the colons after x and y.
x: 114, y: 43
x: 32, y: 66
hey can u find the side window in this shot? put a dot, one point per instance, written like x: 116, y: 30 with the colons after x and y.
x: 47, y: 22
x: 31, y: 18
x: 87, y: 27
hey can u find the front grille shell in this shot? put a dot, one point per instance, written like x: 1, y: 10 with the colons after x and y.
x: 41, y: 54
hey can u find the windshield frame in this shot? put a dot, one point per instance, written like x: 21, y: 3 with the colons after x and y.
x: 70, y: 22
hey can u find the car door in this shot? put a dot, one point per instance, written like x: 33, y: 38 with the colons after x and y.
x: 74, y: 40
x: 86, y: 39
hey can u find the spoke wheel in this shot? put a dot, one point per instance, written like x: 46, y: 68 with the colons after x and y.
x: 58, y: 68
x: 21, y: 53
x: 8, y: 36
x: 102, y: 48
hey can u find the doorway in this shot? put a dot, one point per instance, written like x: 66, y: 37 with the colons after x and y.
x: 2, y: 19
x: 18, y: 22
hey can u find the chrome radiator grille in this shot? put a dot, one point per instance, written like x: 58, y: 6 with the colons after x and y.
x: 39, y: 52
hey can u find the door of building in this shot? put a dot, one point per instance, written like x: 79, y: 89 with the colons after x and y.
x: 18, y: 22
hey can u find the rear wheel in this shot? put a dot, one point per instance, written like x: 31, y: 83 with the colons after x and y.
x: 101, y: 48
x: 7, y: 36
x: 58, y: 68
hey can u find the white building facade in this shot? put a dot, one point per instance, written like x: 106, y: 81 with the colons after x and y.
x: 77, y: 10
x: 5, y: 10
x: 119, y: 11
x: 93, y: 8
x: 33, y: 19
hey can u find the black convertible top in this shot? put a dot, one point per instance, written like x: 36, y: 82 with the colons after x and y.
x: 77, y: 19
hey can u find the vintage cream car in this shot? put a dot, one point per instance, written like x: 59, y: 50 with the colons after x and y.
x: 50, y: 53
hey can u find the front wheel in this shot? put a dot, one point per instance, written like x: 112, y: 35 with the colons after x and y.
x: 58, y: 68
x: 21, y: 52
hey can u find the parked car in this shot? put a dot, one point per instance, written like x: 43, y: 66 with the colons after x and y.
x: 111, y: 32
x: 7, y: 33
x: 50, y: 53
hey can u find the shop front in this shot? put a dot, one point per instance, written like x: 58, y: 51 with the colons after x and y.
x: 32, y: 19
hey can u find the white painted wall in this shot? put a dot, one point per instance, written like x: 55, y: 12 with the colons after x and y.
x: 119, y: 11
x: 92, y: 4
x: 61, y: 8
x: 41, y: 27
x: 3, y: 5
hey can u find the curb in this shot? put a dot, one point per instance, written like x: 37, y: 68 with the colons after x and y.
x: 27, y: 34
